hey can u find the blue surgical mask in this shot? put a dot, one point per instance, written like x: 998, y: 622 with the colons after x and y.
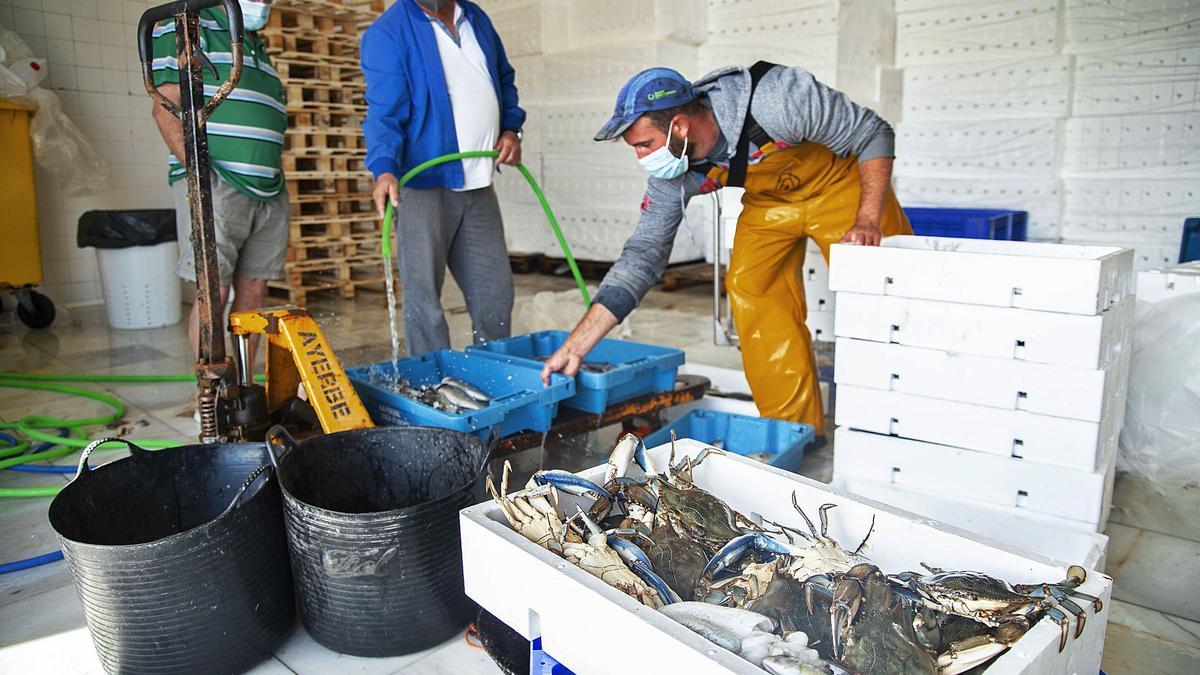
x: 662, y: 164
x: 254, y: 14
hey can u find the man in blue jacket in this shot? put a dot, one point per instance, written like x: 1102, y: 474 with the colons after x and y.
x: 438, y: 82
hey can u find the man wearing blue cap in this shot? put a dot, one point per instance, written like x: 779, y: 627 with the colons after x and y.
x: 813, y: 164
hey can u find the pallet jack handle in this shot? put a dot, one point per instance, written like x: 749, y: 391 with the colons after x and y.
x: 181, y: 10
x: 212, y: 363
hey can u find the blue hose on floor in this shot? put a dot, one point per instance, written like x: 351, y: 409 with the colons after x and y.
x: 18, y: 565
x: 38, y: 468
x: 45, y: 558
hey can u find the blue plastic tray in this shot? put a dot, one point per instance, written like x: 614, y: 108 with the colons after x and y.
x: 1189, y: 248
x: 520, y: 402
x: 969, y: 223
x: 741, y: 434
x: 638, y: 368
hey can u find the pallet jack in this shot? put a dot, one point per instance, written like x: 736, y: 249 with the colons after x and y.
x: 306, y: 386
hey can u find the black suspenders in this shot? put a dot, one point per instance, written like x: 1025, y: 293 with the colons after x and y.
x: 751, y: 131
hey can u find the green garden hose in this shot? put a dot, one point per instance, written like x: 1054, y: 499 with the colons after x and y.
x: 33, y: 426
x: 537, y: 190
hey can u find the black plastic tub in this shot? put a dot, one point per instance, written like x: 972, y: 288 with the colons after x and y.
x: 179, y: 558
x: 372, y: 522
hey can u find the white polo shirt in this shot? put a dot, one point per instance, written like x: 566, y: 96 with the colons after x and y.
x: 472, y: 98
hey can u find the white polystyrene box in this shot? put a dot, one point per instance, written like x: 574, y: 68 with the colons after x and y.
x: 539, y: 594
x: 820, y: 325
x: 1060, y: 391
x: 1168, y: 282
x: 1049, y: 277
x: 1065, y: 543
x: 1004, y: 481
x: 999, y: 332
x: 976, y: 31
x: 1033, y: 439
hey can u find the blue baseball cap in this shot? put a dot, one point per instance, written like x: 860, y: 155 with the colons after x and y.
x: 649, y: 90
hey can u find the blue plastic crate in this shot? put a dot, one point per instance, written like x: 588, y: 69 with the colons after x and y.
x: 969, y: 223
x: 520, y: 402
x: 741, y: 434
x: 1189, y: 248
x: 638, y: 368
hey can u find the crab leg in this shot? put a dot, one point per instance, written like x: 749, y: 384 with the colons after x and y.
x: 1059, y: 618
x: 733, y: 551
x: 796, y: 505
x: 863, y: 543
x: 967, y: 653
x: 570, y: 484
x: 825, y: 518
x: 1063, y: 601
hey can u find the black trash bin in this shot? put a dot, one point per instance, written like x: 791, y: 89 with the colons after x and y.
x: 179, y: 558
x: 137, y: 259
x: 372, y: 523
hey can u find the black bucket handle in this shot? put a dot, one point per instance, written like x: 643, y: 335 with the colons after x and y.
x: 134, y: 450
x: 278, y: 435
x: 236, y: 502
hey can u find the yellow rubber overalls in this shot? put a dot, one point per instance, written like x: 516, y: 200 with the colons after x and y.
x: 792, y: 194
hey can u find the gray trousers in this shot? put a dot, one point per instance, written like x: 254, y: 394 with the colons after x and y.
x: 437, y: 228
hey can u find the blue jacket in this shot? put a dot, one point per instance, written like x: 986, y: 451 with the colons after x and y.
x: 409, y: 119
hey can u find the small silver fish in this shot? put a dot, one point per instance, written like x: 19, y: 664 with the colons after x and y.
x: 458, y: 397
x: 469, y: 389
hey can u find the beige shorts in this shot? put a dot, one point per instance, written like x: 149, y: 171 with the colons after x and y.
x: 252, y: 234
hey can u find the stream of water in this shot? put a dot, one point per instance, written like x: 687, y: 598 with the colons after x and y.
x: 389, y: 277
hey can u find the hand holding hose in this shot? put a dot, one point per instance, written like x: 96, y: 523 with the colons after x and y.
x: 387, y: 188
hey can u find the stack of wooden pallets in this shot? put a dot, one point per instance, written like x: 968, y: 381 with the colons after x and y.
x: 334, y: 239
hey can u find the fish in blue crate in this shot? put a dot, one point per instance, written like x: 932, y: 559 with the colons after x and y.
x: 451, y: 395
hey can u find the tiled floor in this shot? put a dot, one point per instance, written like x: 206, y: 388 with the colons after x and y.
x: 1154, y: 554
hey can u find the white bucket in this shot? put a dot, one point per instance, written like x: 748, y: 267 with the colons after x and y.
x: 141, y: 289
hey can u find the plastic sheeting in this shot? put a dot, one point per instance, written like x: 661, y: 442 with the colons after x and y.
x: 1161, y: 437
x: 59, y: 146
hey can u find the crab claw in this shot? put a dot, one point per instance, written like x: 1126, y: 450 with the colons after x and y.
x: 733, y: 551
x: 570, y: 483
x: 622, y: 456
x: 847, y: 599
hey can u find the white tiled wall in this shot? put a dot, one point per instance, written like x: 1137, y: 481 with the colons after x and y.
x: 94, y: 70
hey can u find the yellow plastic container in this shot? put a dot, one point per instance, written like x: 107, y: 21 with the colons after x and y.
x: 20, y: 254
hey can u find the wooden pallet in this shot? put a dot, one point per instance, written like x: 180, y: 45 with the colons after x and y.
x: 688, y: 274
x: 343, y: 275
x: 334, y: 235
x: 590, y: 269
x: 525, y: 263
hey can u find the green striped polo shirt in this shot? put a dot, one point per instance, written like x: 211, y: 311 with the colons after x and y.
x: 245, y: 133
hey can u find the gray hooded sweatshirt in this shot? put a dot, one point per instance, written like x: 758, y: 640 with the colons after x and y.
x: 791, y: 106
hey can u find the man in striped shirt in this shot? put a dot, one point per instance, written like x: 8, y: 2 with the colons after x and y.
x: 245, y: 141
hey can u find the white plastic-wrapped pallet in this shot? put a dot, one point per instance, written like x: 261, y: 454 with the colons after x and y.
x: 574, y: 24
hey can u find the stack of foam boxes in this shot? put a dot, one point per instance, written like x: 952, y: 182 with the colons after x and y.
x: 1130, y: 169
x: 847, y: 44
x: 986, y: 94
x: 571, y: 58
x: 989, y: 376
x: 814, y: 273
